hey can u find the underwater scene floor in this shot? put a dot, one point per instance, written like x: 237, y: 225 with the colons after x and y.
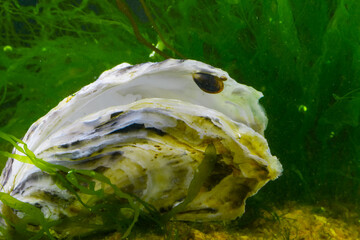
x: 293, y: 221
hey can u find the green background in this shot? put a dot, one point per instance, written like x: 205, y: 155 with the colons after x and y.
x: 304, y: 55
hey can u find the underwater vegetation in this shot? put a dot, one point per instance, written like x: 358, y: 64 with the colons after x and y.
x: 303, y: 55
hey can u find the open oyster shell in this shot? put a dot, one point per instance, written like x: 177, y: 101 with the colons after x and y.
x: 146, y: 128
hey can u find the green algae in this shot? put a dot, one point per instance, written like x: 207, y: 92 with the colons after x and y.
x: 300, y: 54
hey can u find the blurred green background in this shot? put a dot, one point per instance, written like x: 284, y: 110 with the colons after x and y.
x: 304, y: 55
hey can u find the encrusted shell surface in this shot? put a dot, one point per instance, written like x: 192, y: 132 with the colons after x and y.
x: 146, y: 128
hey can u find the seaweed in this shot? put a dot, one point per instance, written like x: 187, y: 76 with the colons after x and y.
x: 75, y: 181
x: 201, y: 174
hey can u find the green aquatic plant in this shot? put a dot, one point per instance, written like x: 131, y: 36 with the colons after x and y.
x: 72, y: 180
x: 201, y: 174
x: 115, y: 214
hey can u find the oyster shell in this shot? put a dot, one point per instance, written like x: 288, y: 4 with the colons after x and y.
x: 146, y: 128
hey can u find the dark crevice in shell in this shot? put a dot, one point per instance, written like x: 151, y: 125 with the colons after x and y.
x: 221, y: 170
x: 135, y: 127
x: 116, y: 114
x: 200, y: 211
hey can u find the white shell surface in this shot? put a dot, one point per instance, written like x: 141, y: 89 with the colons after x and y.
x: 146, y: 127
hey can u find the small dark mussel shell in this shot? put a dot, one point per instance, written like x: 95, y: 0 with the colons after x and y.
x: 209, y: 83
